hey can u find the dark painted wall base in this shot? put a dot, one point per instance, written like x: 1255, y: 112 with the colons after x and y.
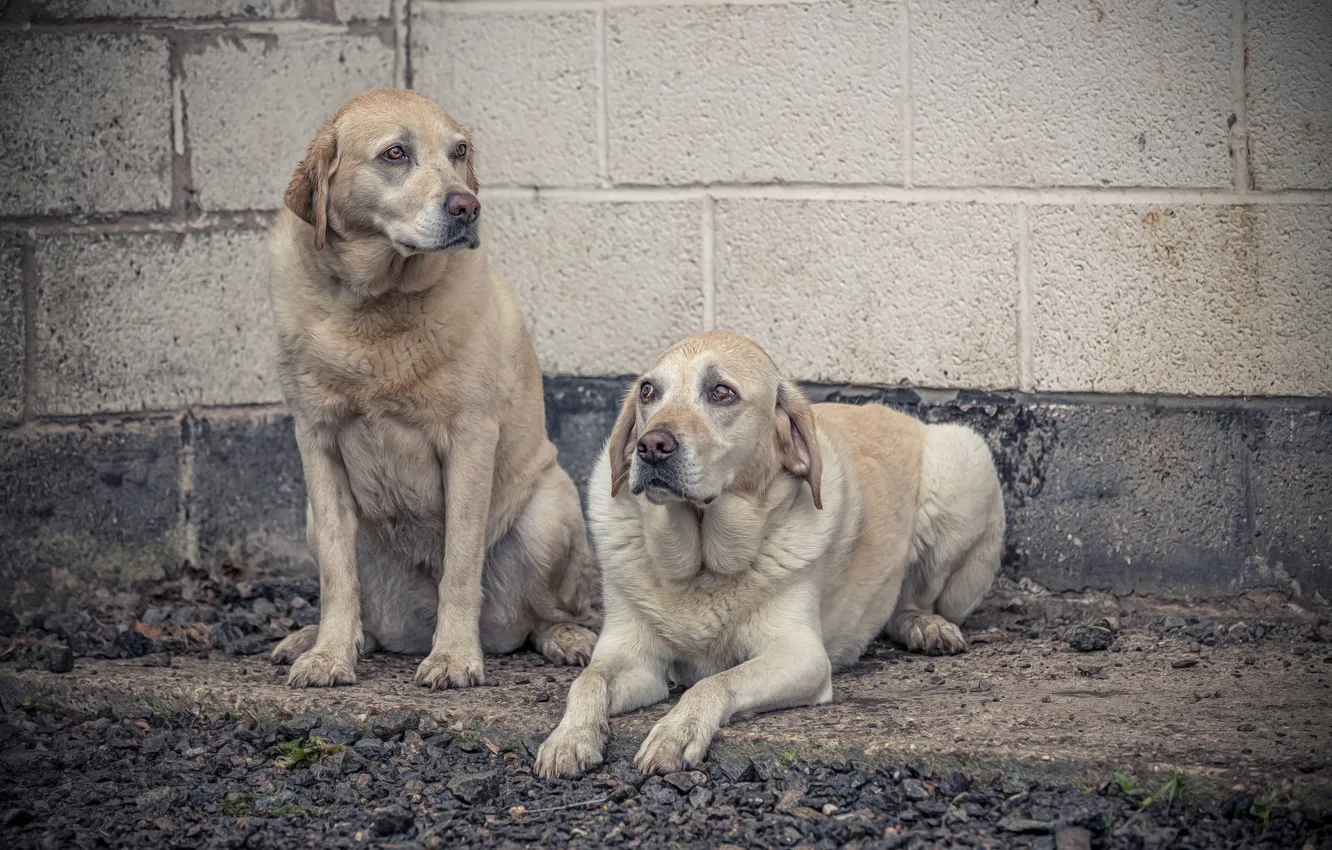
x: 1173, y: 497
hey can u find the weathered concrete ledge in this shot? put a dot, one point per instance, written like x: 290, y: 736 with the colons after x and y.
x: 1251, y: 715
x: 1180, y: 498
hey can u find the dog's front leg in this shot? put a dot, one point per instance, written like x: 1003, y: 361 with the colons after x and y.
x: 626, y: 672
x: 793, y: 670
x: 331, y: 522
x: 455, y: 657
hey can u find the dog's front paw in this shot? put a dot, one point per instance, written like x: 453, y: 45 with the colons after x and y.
x: 675, y: 743
x: 322, y: 668
x: 933, y: 635
x: 570, y: 751
x: 454, y: 668
x: 568, y: 644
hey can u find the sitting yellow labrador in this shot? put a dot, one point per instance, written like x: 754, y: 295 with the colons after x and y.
x: 750, y: 543
x: 441, y: 521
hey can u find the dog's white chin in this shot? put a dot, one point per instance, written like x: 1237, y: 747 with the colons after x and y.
x: 662, y: 496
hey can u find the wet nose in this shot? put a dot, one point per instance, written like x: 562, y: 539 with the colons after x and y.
x: 657, y: 446
x: 462, y: 206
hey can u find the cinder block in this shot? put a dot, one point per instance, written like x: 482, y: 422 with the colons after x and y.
x: 1120, y: 92
x: 1137, y: 500
x: 13, y: 327
x: 524, y: 83
x: 152, y: 322
x: 87, y: 506
x: 873, y: 292
x: 1292, y: 483
x: 604, y: 287
x: 249, y: 493
x: 1197, y: 300
x: 362, y: 10
x: 253, y: 104
x: 86, y: 123
x: 1289, y: 79
x: 169, y: 9
x: 755, y: 93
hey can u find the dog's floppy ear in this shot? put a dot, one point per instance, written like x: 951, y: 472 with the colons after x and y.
x: 471, y: 165
x: 307, y: 196
x: 798, y: 441
x: 623, y: 437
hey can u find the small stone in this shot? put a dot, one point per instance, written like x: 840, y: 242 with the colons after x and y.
x: 767, y: 768
x: 61, y: 660
x: 1245, y: 727
x: 131, y: 645
x: 1024, y: 826
x: 532, y: 745
x: 16, y: 817
x: 686, y: 781
x: 474, y: 788
x: 788, y: 799
x: 953, y: 784
x: 393, y: 722
x: 1090, y: 639
x: 914, y: 789
x: 737, y: 770
x: 337, y: 734
x: 1073, y: 838
x: 391, y: 821
x: 156, y: 659
x: 300, y: 726
x: 929, y: 668
x: 541, y: 697
x: 1184, y: 663
x: 699, y: 798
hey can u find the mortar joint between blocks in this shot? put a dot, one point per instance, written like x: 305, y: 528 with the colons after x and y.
x: 28, y: 275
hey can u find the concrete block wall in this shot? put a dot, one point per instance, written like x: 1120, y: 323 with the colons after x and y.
x: 1104, y: 228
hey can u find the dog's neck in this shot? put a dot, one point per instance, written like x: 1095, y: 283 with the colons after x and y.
x: 723, y: 537
x: 369, y: 268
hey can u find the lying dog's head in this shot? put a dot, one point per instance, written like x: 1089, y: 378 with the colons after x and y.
x: 392, y: 165
x: 712, y: 415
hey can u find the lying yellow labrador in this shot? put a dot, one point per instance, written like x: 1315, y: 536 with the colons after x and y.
x: 750, y: 543
x: 440, y: 520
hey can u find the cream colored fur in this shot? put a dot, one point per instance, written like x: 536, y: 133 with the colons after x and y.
x: 730, y: 578
x: 441, y: 522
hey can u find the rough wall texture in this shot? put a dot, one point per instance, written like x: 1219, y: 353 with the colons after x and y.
x: 1081, y: 208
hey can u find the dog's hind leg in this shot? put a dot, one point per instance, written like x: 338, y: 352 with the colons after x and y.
x: 294, y: 645
x: 959, y: 537
x: 972, y: 576
x: 542, y: 572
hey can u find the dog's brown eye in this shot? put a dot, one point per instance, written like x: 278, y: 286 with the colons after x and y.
x: 722, y: 394
x: 395, y: 154
x: 460, y: 151
x: 646, y: 392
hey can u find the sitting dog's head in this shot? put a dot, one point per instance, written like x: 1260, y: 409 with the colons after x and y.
x: 392, y: 165
x: 713, y: 415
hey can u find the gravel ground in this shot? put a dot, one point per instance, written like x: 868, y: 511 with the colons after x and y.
x: 400, y: 777
x: 181, y: 781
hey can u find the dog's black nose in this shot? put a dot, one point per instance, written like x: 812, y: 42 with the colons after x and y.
x: 657, y: 446
x: 462, y: 205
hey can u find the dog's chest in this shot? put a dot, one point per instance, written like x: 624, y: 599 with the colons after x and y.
x: 704, y: 620
x: 393, y: 470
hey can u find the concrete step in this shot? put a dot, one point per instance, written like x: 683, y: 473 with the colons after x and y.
x: 1250, y: 715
